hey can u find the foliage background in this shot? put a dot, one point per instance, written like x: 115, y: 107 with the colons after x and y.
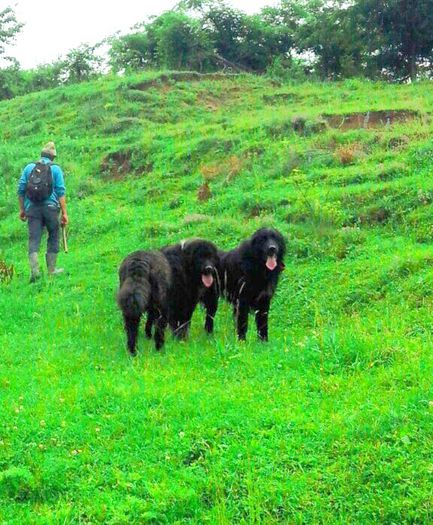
x: 293, y: 40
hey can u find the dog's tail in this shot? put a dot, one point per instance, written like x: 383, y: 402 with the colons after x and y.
x: 133, y: 296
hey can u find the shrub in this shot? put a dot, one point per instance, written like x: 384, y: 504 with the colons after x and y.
x: 6, y: 272
x: 16, y: 483
x: 347, y: 154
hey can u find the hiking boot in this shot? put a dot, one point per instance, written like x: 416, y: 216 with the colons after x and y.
x: 51, y: 259
x: 34, y: 267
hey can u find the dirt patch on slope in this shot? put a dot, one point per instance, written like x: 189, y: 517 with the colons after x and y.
x: 375, y: 216
x: 119, y: 164
x: 370, y: 119
x: 116, y: 165
x: 225, y: 98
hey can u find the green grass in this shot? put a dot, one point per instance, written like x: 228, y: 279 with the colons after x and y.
x: 332, y: 421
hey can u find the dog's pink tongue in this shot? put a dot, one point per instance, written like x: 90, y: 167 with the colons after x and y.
x: 207, y: 280
x: 271, y: 263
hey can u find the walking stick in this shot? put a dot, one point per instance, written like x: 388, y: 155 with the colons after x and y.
x: 65, y: 240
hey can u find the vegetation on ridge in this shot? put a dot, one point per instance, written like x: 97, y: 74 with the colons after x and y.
x: 294, y: 40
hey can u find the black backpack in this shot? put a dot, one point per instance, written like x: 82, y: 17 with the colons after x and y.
x: 40, y: 182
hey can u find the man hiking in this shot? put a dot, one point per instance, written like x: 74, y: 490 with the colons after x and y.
x: 41, y: 194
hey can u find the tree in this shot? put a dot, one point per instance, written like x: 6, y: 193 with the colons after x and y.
x: 133, y: 52
x: 250, y: 42
x: 373, y: 38
x: 81, y: 64
x: 45, y: 76
x: 399, y: 34
x: 9, y: 28
x: 11, y: 81
x: 182, y: 42
x: 10, y: 76
x: 226, y: 26
x: 326, y: 33
x: 171, y: 40
x: 260, y: 41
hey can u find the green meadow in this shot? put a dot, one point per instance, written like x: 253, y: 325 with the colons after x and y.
x: 329, y: 422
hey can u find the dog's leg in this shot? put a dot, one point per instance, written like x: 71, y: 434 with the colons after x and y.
x: 131, y: 327
x: 149, y: 323
x: 262, y: 313
x: 181, y: 329
x: 161, y: 324
x: 183, y: 322
x: 210, y: 302
x: 242, y: 319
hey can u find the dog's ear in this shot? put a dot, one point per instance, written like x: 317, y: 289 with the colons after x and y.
x: 189, y: 249
x: 256, y: 240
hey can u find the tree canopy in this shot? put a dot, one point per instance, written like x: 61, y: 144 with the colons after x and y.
x: 297, y: 39
x: 9, y: 28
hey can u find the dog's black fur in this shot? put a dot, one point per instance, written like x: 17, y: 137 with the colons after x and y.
x: 246, y: 280
x: 145, y: 279
x: 193, y: 263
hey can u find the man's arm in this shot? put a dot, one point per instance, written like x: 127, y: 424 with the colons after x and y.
x: 21, y: 193
x: 23, y: 215
x: 60, y: 189
x: 65, y: 218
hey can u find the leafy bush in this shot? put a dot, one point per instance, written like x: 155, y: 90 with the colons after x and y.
x: 16, y: 483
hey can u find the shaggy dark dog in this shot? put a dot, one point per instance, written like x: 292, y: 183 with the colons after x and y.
x: 249, y: 278
x: 145, y: 279
x: 194, y: 280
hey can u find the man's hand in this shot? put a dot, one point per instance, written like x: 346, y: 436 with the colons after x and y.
x: 23, y: 215
x: 65, y: 219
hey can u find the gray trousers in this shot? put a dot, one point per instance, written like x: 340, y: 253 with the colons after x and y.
x: 40, y: 217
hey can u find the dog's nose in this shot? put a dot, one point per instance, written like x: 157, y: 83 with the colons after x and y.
x: 208, y: 270
x: 272, y: 250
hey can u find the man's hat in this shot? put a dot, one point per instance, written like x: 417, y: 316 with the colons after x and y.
x: 50, y: 148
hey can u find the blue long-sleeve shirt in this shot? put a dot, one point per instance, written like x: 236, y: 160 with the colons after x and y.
x: 59, y: 189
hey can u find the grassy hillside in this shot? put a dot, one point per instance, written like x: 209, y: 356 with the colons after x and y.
x: 330, y: 422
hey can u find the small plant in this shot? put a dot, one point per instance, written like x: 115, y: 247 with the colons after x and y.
x: 204, y: 192
x: 233, y: 167
x: 211, y: 171
x: 347, y: 154
x: 230, y: 167
x: 6, y: 272
x: 424, y: 197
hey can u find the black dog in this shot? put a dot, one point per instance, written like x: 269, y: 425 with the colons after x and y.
x: 193, y: 265
x: 145, y: 279
x: 249, y: 278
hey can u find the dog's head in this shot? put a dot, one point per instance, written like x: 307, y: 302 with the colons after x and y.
x: 202, y: 260
x: 267, y: 245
